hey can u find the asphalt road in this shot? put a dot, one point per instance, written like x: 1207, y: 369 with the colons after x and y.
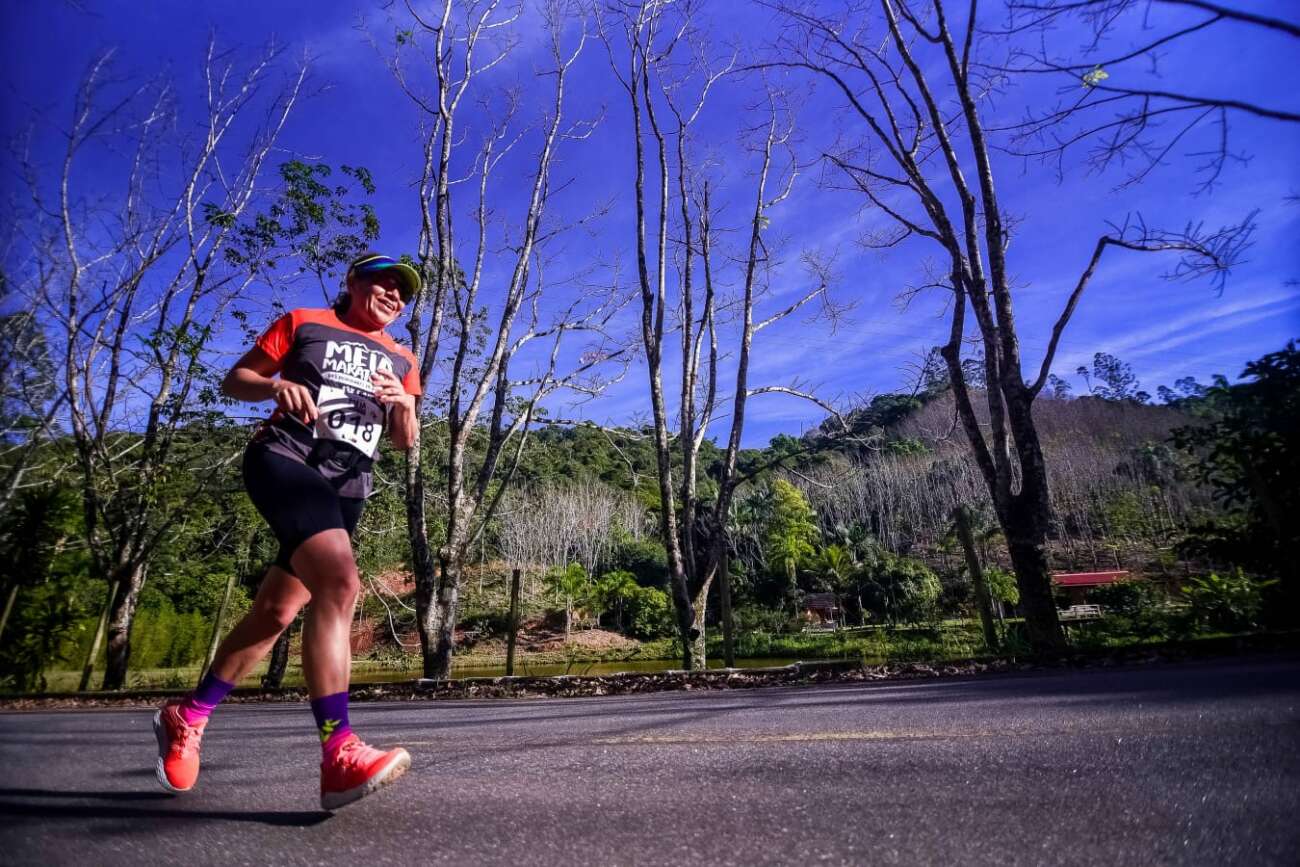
x: 1189, y: 764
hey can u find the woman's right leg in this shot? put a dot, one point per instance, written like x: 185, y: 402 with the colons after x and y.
x: 328, y: 572
x: 350, y: 770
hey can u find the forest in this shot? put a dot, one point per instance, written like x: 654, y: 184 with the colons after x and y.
x: 928, y: 519
x: 1162, y: 491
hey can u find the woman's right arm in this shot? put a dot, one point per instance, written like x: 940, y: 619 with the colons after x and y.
x: 253, y: 379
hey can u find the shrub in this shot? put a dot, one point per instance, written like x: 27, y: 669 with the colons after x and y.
x: 756, y: 618
x: 495, y: 622
x: 649, y: 613
x: 1226, y: 602
x: 646, y: 559
x: 1002, y: 585
x: 37, y: 628
x: 900, y: 589
x: 1126, y: 598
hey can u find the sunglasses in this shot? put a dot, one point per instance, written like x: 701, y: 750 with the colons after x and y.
x: 408, y: 279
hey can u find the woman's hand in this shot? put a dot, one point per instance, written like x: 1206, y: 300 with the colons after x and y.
x: 404, y: 428
x: 389, y: 390
x: 295, y: 399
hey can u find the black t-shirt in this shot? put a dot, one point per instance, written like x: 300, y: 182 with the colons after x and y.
x: 314, y: 348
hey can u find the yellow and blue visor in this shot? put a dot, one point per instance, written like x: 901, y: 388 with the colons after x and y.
x: 372, y: 263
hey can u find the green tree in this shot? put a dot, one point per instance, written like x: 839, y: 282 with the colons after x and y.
x: 833, y: 566
x: 573, y: 585
x: 33, y: 535
x: 1002, y: 585
x: 1112, y: 379
x: 645, y: 558
x: 790, y: 533
x: 612, y: 592
x: 899, y: 589
x: 1248, y: 453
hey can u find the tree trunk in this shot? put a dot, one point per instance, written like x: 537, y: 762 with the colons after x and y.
x: 120, y: 620
x: 89, y: 668
x: 724, y: 598
x: 9, y: 607
x: 1034, y: 577
x: 961, y: 515
x: 698, y: 653
x: 513, y: 635
x: 1025, y: 522
x: 218, y: 621
x: 426, y: 581
x: 437, y: 665
x: 279, y: 662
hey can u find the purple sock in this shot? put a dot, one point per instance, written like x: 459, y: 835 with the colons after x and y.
x: 331, y: 712
x: 204, y: 699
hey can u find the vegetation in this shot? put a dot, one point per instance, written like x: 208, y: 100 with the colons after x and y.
x: 880, y: 541
x: 126, y: 540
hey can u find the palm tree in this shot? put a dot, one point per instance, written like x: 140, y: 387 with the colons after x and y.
x: 573, y: 585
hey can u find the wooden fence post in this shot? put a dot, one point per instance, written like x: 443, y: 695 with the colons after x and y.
x: 514, y: 623
x: 728, y: 628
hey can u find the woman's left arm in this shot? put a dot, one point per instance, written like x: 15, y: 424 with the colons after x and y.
x: 403, y: 426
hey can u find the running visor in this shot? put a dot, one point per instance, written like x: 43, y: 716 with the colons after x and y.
x: 374, y: 263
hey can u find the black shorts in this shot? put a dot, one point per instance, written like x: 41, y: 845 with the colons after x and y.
x: 296, y: 500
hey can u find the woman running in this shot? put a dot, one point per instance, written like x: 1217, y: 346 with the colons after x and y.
x: 342, y: 383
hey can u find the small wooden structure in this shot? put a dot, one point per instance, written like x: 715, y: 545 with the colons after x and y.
x: 1077, y: 584
x: 821, y: 610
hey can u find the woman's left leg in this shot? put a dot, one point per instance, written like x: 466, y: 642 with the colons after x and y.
x: 278, y: 601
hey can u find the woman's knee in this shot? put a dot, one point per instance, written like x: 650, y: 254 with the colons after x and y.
x: 278, y: 613
x: 279, y: 599
x: 324, y: 563
x: 341, y: 590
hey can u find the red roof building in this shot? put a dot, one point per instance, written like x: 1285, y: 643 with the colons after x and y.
x: 1077, y: 583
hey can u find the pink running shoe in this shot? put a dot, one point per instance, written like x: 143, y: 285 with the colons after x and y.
x: 356, y: 770
x: 178, y: 748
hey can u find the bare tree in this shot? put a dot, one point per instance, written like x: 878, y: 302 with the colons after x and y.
x: 1114, y: 104
x: 138, y: 282
x: 643, y: 40
x: 30, y: 395
x: 905, y: 74
x: 488, y: 409
x: 555, y: 524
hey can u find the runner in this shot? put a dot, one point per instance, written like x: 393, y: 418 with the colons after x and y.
x: 343, y: 382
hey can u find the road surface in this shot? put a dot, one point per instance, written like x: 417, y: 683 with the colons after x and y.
x: 1176, y: 764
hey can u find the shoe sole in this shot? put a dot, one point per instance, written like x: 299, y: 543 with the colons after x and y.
x: 162, y: 751
x: 396, y: 766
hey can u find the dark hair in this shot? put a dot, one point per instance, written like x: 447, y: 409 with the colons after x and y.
x: 342, y: 301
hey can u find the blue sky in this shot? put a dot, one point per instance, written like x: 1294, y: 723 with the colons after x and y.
x: 1166, y: 330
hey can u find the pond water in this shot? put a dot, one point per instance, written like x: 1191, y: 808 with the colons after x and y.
x: 550, y: 670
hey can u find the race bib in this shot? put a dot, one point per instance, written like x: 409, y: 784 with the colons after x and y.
x: 343, y: 418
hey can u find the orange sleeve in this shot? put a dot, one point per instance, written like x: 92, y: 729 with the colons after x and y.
x: 277, y: 340
x: 411, y: 382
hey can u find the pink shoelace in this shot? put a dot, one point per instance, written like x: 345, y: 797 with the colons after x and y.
x: 188, y: 742
x: 355, y: 753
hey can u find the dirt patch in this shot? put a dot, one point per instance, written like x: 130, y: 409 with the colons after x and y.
x: 395, y: 582
x: 594, y: 640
